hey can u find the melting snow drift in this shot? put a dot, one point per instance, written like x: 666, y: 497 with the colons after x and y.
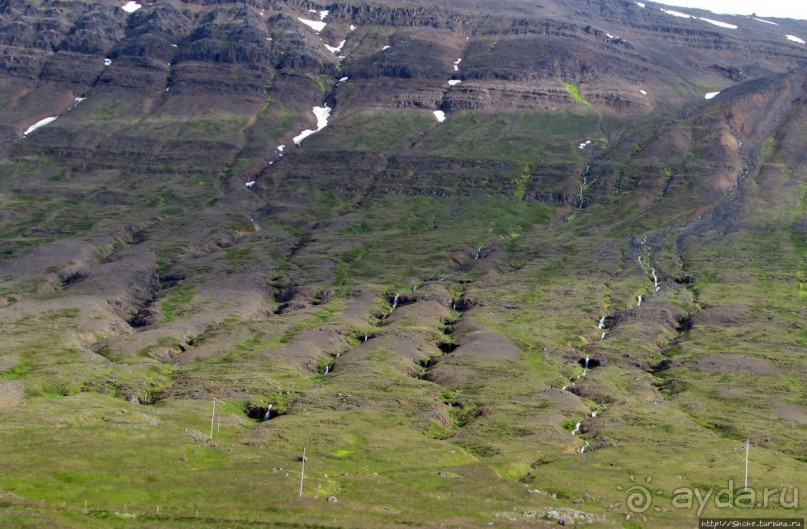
x: 710, y: 95
x: 676, y: 13
x: 322, y: 114
x: 794, y: 39
x: 719, y: 24
x: 313, y: 24
x: 440, y: 115
x: 131, y: 7
x: 336, y: 49
x: 454, y: 82
x: 40, y: 123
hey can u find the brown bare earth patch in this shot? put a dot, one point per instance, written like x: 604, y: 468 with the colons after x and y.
x: 489, y: 346
x: 790, y: 412
x: 11, y: 394
x: 728, y: 363
x: 724, y: 315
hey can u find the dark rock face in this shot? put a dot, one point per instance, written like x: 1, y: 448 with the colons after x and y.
x: 255, y: 57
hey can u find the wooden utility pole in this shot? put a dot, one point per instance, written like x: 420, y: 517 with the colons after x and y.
x: 213, y: 417
x: 747, y: 449
x: 302, y: 474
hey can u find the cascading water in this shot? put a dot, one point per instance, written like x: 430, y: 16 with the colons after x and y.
x: 583, y: 448
x: 268, y: 414
x: 327, y: 369
x: 577, y: 428
x: 586, y: 365
x: 582, y: 187
x: 478, y: 252
x: 395, y: 301
x: 603, y: 336
x: 639, y: 303
x: 581, y: 201
x: 602, y: 323
x: 655, y: 279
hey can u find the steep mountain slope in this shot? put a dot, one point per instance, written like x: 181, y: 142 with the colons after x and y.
x: 520, y: 263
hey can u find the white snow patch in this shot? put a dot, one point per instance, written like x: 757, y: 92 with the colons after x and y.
x: 313, y: 24
x: 385, y: 48
x: 457, y: 64
x: 794, y: 39
x: 40, y: 123
x: 343, y: 79
x: 643, y: 92
x: 131, y: 7
x: 281, y: 148
x: 250, y: 184
x: 454, y: 82
x: 584, y: 144
x: 640, y: 4
x: 440, y: 115
x: 107, y: 62
x: 79, y: 100
x: 352, y: 27
x: 323, y: 14
x: 322, y: 114
x: 710, y: 95
x: 609, y: 35
x: 336, y: 49
x: 676, y: 13
x: 766, y: 21
x: 174, y: 45
x: 719, y: 24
